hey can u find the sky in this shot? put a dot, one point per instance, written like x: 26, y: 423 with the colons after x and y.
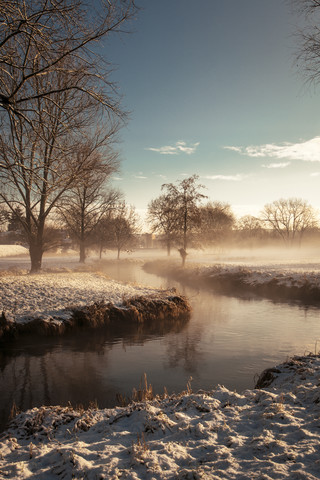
x: 213, y: 89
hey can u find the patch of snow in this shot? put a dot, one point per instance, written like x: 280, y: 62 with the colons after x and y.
x: 252, y: 275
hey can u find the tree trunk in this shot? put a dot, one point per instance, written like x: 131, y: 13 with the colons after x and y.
x: 82, y: 258
x: 36, y: 253
x: 118, y: 257
x: 168, y: 248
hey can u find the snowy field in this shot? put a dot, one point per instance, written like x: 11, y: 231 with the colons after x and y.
x: 271, y: 433
x: 50, y: 295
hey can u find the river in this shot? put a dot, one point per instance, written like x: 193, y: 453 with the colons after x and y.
x: 227, y: 341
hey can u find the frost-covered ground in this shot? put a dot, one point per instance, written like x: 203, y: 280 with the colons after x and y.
x: 11, y: 250
x: 287, y: 275
x: 271, y: 433
x: 49, y: 295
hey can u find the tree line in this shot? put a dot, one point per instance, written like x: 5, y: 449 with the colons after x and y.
x: 95, y: 216
x: 184, y: 217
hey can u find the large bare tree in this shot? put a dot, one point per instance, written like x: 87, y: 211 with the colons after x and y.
x: 289, y: 218
x: 38, y: 165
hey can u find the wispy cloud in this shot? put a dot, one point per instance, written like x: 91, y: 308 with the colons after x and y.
x: 160, y: 175
x: 140, y: 176
x: 229, y: 178
x: 117, y: 178
x: 308, y: 151
x: 179, y: 147
x: 315, y: 174
x: 277, y: 165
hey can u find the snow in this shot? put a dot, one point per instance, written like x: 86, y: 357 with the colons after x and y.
x: 271, y: 433
x: 11, y: 250
x: 290, y: 276
x: 50, y: 295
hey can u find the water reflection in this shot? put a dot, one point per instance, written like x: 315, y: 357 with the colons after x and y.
x: 74, y: 368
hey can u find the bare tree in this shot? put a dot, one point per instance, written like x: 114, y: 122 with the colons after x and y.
x: 289, y: 218
x: 124, y: 227
x: 41, y: 36
x: 103, y: 233
x: 216, y: 221
x: 186, y: 197
x: 164, y: 219
x: 39, y: 165
x: 250, y: 229
x: 84, y: 206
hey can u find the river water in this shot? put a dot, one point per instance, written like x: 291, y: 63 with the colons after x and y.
x: 227, y: 341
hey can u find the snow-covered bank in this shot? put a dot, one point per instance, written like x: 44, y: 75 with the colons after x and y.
x: 12, y: 250
x: 51, y: 303
x: 270, y: 433
x: 293, y: 284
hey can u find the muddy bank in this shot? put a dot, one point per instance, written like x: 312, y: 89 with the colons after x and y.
x: 244, y: 282
x: 137, y: 310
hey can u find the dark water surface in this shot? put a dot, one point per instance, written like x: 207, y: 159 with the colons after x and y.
x: 227, y: 341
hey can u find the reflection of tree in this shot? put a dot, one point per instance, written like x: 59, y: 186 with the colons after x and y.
x: 26, y: 387
x: 184, y: 351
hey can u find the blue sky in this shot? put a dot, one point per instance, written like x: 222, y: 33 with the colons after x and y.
x: 213, y: 89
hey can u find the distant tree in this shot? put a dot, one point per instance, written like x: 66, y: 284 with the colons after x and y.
x: 164, y: 219
x: 216, y: 221
x: 124, y: 227
x: 289, y: 218
x: 103, y: 233
x: 250, y: 228
x: 4, y: 217
x: 186, y: 197
x: 83, y: 206
x: 15, y: 218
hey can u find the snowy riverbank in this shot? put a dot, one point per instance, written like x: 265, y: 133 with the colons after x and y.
x: 295, y: 283
x: 268, y: 433
x: 51, y: 303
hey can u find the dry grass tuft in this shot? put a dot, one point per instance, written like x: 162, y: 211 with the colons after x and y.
x: 144, y: 392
